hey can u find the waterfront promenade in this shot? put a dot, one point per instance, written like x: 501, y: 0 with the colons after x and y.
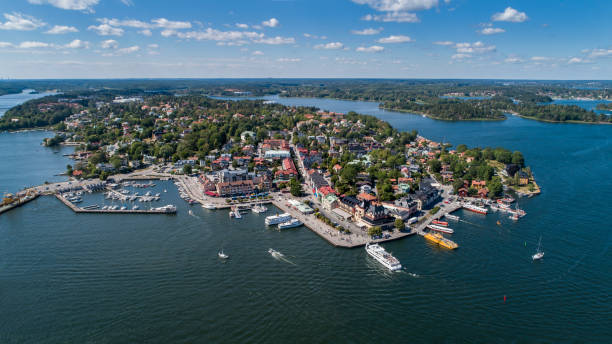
x: 330, y: 234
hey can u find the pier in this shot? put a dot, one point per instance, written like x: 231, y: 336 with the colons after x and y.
x: 112, y: 211
x: 420, y: 226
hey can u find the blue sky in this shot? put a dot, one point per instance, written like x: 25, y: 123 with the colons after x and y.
x: 543, y: 39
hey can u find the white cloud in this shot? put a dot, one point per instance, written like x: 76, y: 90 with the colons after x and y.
x: 128, y: 50
x: 476, y: 47
x: 575, y: 60
x: 540, y: 58
x: 366, y: 32
x: 395, y: 39
x: 61, y: 29
x: 492, y: 30
x: 153, y: 46
x: 308, y: 35
x: 112, y: 45
x: 33, y: 44
x: 242, y: 26
x: 128, y: 23
x: 168, y: 33
x: 6, y: 45
x: 398, y: 5
x: 330, y: 46
x: 370, y: 49
x: 211, y: 34
x: 78, y: 5
x: 21, y: 22
x: 145, y: 32
x: 272, y: 22
x: 106, y: 30
x: 460, y: 56
x: 231, y: 38
x: 595, y: 53
x: 396, y: 10
x: 275, y: 40
x: 510, y: 15
x: 258, y: 52
x: 169, y: 24
x: 445, y: 43
x: 397, y: 17
x: 159, y: 23
x: 77, y: 44
x: 288, y: 59
x: 350, y: 61
x: 109, y: 44
x: 514, y: 59
x: 128, y: 2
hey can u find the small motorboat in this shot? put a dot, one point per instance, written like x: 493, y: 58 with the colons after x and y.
x: 222, y: 255
x: 275, y: 253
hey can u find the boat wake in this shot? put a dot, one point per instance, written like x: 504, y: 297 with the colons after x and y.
x: 191, y: 213
x: 280, y: 257
x: 569, y: 270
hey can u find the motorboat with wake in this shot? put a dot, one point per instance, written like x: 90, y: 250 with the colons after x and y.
x: 275, y: 253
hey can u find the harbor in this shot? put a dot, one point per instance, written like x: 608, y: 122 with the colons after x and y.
x: 169, y: 209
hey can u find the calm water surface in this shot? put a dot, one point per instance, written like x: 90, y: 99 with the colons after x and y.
x: 124, y: 279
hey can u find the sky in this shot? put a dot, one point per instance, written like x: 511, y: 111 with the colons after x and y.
x: 522, y: 39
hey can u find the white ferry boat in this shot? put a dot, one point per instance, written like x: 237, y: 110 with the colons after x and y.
x: 209, y: 206
x: 290, y: 224
x: 383, y: 257
x: 276, y: 219
x: 475, y: 208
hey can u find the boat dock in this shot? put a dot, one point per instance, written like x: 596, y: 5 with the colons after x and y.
x: 420, y: 226
x: 112, y: 211
x: 20, y: 202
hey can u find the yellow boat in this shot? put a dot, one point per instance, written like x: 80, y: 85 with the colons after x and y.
x: 441, y: 240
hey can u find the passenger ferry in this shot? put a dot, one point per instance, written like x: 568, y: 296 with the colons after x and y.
x: 383, y: 257
x: 290, y: 224
x: 276, y: 219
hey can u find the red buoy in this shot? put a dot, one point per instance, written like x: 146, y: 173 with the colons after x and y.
x: 504, y: 298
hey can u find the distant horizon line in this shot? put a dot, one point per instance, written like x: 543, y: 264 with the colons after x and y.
x: 298, y: 78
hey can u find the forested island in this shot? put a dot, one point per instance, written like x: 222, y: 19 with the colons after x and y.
x: 452, y: 100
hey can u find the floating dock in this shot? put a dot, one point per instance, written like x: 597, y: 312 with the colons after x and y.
x: 111, y: 211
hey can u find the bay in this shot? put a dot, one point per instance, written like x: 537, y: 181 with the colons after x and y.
x: 123, y: 279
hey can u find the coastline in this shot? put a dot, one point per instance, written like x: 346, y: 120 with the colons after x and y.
x: 444, y: 119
